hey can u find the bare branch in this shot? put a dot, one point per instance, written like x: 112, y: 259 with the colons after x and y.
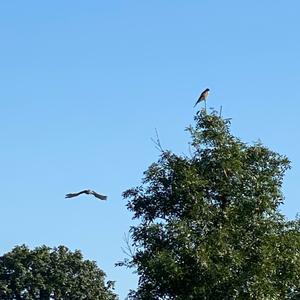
x: 157, y: 142
x: 128, y: 248
x: 221, y: 111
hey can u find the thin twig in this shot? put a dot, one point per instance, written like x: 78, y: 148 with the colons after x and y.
x: 190, y: 150
x: 157, y: 142
x: 128, y: 249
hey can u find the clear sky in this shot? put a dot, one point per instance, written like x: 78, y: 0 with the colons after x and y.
x: 84, y: 84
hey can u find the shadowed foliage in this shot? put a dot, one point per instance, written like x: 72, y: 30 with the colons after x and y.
x: 45, y: 273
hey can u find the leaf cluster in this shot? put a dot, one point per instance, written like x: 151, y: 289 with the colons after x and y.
x: 210, y: 226
x: 45, y: 273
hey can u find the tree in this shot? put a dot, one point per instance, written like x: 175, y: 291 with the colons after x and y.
x: 209, y: 224
x: 45, y: 273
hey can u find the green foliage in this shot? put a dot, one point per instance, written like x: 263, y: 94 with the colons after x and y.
x: 210, y: 227
x: 45, y: 273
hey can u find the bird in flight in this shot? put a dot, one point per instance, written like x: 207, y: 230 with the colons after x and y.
x: 202, y: 97
x: 88, y: 192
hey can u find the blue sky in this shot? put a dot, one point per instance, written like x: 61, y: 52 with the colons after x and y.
x: 84, y: 84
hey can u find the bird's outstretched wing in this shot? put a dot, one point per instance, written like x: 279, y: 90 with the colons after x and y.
x: 71, y: 195
x: 88, y: 192
x: 101, y: 197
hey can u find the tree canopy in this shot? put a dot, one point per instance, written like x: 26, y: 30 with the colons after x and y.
x: 209, y: 223
x: 45, y: 273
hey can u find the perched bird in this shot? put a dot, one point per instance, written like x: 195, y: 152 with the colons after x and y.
x: 88, y: 192
x: 203, y: 96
